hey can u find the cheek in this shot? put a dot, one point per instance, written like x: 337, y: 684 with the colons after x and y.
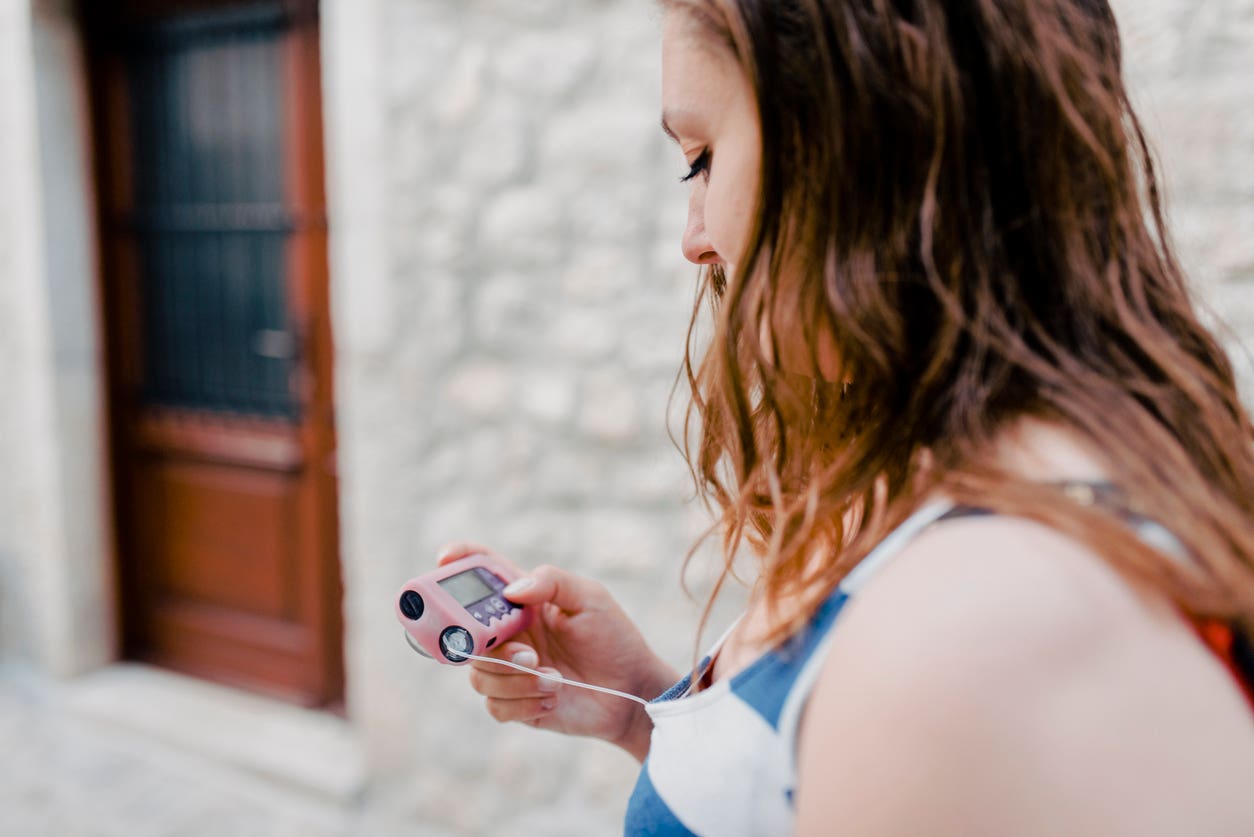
x: 729, y: 202
x: 727, y: 217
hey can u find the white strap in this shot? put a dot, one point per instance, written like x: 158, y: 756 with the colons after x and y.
x: 894, y: 543
x: 885, y: 551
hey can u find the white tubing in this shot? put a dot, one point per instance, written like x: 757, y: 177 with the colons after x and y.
x: 554, y: 677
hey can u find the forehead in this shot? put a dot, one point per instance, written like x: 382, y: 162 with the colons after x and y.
x: 699, y: 70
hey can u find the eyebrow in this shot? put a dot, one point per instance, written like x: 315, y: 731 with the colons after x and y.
x: 666, y: 128
x: 687, y: 119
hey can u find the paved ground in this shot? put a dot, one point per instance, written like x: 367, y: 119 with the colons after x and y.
x: 65, y: 775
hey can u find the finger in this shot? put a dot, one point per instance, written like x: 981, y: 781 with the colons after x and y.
x: 526, y: 709
x: 516, y: 652
x: 513, y: 688
x: 547, y: 583
x: 459, y: 549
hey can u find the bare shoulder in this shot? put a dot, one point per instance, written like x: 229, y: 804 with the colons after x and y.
x: 998, y: 677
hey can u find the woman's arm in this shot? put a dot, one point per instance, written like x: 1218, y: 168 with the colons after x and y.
x: 998, y: 678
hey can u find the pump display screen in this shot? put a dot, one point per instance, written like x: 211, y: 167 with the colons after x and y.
x: 466, y: 587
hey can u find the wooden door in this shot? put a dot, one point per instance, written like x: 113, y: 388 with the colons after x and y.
x: 213, y: 240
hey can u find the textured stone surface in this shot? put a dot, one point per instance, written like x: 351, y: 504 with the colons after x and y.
x: 54, y: 604
x: 67, y: 773
x: 17, y: 496
x: 1189, y: 67
x: 532, y: 183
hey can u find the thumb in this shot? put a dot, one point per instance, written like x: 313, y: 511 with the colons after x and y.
x: 451, y: 552
x: 547, y: 583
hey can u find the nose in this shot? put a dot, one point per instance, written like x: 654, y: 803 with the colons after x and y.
x: 696, y: 244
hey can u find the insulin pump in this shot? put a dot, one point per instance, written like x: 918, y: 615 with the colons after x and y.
x: 458, y: 611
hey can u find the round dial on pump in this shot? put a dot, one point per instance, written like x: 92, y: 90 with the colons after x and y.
x: 455, y: 643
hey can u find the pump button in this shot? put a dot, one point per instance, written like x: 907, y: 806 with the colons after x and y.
x: 412, y: 605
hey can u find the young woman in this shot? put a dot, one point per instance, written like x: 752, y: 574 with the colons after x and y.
x: 996, y: 475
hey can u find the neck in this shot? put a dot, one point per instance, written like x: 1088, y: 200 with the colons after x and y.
x: 1042, y: 451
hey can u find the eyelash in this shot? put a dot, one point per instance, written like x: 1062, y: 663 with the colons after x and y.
x: 699, y: 166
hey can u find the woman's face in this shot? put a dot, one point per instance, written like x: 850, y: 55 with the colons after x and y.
x: 708, y: 108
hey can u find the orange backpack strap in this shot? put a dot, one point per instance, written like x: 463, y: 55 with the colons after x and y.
x: 1233, y: 650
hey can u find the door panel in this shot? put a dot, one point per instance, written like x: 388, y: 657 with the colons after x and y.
x: 213, y: 237
x: 211, y: 525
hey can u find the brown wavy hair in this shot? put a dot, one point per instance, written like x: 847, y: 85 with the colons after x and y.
x: 958, y: 199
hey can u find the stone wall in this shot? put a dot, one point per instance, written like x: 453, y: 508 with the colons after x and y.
x: 511, y: 306
x: 18, y: 494
x: 55, y: 600
x: 1191, y: 71
x: 510, y: 311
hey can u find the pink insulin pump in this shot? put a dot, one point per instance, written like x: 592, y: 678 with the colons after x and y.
x: 458, y: 609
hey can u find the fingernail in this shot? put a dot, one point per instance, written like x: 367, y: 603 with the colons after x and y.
x: 548, y: 705
x: 526, y: 657
x: 519, y: 586
x: 547, y: 685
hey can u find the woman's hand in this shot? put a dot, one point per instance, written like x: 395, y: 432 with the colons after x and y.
x: 581, y: 633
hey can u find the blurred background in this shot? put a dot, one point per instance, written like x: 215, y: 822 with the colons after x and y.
x: 293, y: 292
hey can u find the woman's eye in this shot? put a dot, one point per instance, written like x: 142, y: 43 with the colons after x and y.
x: 699, y: 166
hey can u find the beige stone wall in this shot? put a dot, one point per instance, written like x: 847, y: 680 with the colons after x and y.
x: 1190, y: 67
x: 55, y: 600
x: 18, y: 493
x: 511, y: 305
